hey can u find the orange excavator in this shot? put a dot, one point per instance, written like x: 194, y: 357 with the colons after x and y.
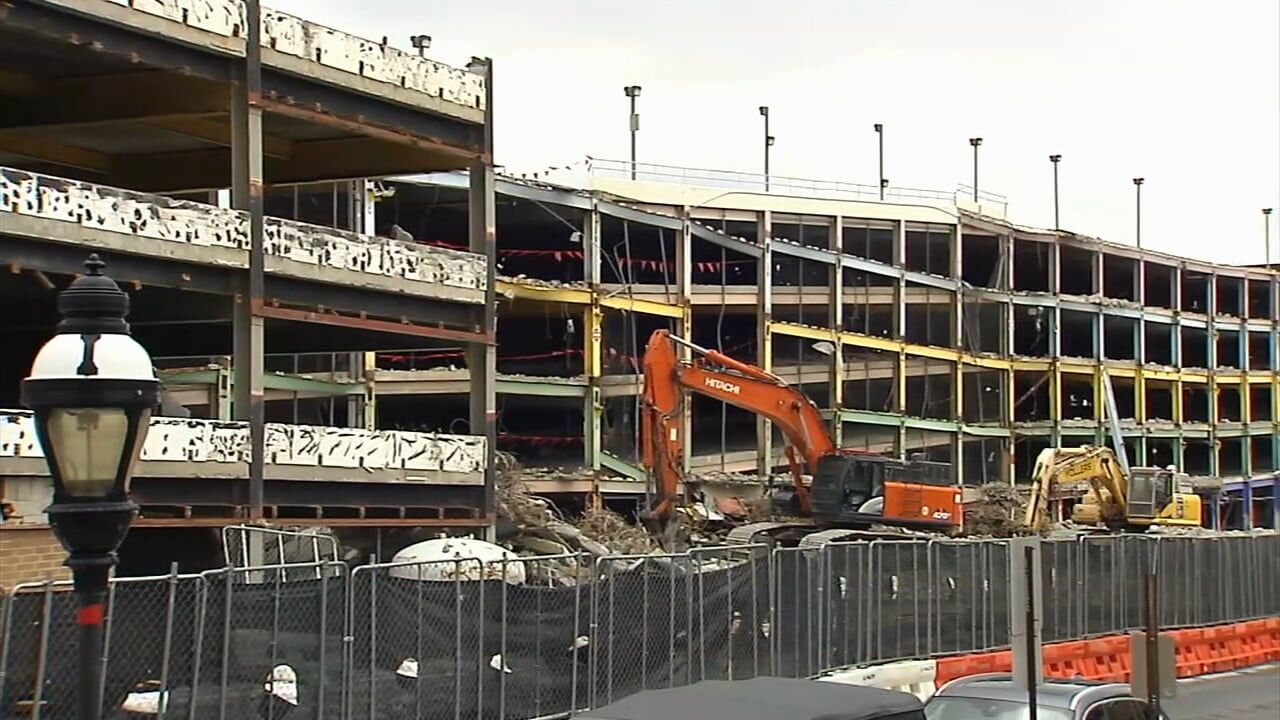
x: 850, y: 489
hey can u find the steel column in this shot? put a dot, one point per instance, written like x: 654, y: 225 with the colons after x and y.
x: 482, y: 357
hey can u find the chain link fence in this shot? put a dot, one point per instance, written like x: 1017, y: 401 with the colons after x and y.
x: 536, y: 637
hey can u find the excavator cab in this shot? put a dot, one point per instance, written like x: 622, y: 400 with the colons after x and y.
x: 855, y: 489
x: 1161, y: 496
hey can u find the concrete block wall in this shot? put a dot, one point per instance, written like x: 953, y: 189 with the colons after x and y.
x: 29, y: 554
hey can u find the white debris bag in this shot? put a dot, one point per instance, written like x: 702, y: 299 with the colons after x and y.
x: 450, y: 559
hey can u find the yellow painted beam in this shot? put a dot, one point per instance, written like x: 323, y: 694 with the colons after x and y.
x: 593, y: 336
x: 1077, y: 368
x: 807, y: 332
x: 1032, y: 365
x: 1194, y: 377
x: 1228, y: 379
x: 985, y: 361
x: 541, y: 293
x: 1163, y: 375
x: 647, y: 307
x: 872, y: 342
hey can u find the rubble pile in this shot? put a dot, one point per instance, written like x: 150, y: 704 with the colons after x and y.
x: 542, y: 530
x: 997, y: 512
x: 612, y: 530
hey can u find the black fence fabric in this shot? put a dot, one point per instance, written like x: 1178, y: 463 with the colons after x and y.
x: 461, y: 641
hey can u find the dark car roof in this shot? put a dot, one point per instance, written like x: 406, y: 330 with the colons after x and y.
x: 762, y: 698
x: 1061, y: 693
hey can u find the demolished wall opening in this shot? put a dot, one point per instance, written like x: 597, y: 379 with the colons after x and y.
x: 1228, y: 349
x: 1197, y: 457
x: 870, y: 438
x: 1031, y: 265
x: 1229, y: 295
x: 1229, y: 404
x: 541, y: 431
x: 1160, y: 452
x: 715, y: 265
x: 1126, y: 397
x: 868, y: 239
x: 929, y: 248
x: 1031, y: 396
x: 928, y: 318
x: 1195, y: 292
x: 1025, y: 450
x: 983, y: 325
x: 1157, y: 343
x: 1159, y: 401
x: 1260, y: 350
x: 550, y: 344
x: 871, y: 380
x: 808, y: 301
x: 1076, y: 271
x: 718, y: 428
x: 1032, y: 329
x: 808, y: 230
x: 734, y: 334
x: 929, y: 445
x: 623, y: 338
x: 1158, y: 285
x: 1195, y: 403
x: 1260, y: 299
x: 1231, y: 457
x: 984, y: 461
x: 1077, y: 397
x: 930, y: 388
x: 1119, y: 277
x: 1194, y: 347
x: 1259, y: 402
x: 327, y: 204
x: 1079, y: 334
x: 619, y: 427
x: 1261, y: 457
x: 984, y: 397
x: 870, y: 311
x: 981, y: 263
x: 637, y: 254
x: 1121, y: 341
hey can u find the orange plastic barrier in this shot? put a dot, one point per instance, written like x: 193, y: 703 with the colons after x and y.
x: 1198, y: 651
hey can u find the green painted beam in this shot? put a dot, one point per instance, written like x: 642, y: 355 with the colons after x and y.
x: 539, y: 388
x: 985, y: 431
x: 271, y: 381
x: 870, y: 418
x: 622, y: 467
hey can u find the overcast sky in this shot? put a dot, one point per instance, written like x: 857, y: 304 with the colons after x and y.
x: 1185, y: 94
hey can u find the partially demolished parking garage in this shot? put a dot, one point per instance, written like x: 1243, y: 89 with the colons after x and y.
x: 402, y: 354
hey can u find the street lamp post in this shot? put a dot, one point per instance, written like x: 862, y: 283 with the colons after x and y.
x: 92, y: 388
x: 1137, y: 230
x: 768, y: 143
x: 975, y: 142
x: 633, y: 92
x: 883, y: 183
x: 1266, y: 234
x: 1055, y: 159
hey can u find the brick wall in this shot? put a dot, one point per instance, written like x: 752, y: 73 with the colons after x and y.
x: 30, y: 554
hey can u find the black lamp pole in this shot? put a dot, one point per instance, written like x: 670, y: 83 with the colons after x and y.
x: 633, y: 92
x: 975, y: 142
x: 1266, y: 234
x: 880, y: 136
x: 1137, y: 230
x: 92, y: 388
x: 1055, y: 159
x: 768, y: 143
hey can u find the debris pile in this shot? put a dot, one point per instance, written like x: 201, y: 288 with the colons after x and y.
x: 997, y: 511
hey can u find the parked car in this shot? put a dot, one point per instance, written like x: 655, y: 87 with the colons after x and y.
x: 763, y: 698
x: 998, y: 697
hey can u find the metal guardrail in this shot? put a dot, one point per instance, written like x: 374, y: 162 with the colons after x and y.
x: 536, y: 637
x: 785, y: 185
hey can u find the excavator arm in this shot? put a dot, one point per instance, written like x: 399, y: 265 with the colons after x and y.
x: 1097, y: 466
x: 714, y: 374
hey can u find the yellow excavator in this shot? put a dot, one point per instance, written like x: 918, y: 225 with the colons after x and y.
x: 1135, y: 500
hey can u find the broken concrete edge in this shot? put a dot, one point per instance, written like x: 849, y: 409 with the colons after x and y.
x: 223, y: 23
x: 156, y: 217
x: 222, y: 441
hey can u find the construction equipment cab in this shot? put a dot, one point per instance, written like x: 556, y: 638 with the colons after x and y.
x: 1142, y: 498
x: 848, y: 488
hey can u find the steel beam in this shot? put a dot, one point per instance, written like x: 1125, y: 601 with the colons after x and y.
x: 482, y: 358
